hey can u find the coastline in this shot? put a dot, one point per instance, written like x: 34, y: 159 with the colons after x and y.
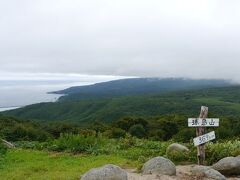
x: 2, y: 109
x: 8, y: 108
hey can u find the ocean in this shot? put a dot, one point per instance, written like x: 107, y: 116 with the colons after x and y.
x: 15, y: 94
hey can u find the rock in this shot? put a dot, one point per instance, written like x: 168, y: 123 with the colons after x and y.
x: 7, y: 144
x: 228, y: 166
x: 177, y: 148
x: 108, y: 172
x: 207, y: 173
x: 159, y: 165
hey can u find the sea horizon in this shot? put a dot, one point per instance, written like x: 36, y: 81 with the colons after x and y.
x: 16, y: 93
x: 8, y: 108
x: 27, y: 93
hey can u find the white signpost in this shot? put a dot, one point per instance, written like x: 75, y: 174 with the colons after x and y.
x: 202, y: 137
x: 200, y: 122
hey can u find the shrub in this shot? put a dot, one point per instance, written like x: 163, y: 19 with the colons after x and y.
x: 20, y: 130
x: 127, y: 122
x: 138, y: 131
x: 170, y: 128
x: 24, y: 133
x: 156, y: 135
x: 127, y: 142
x: 178, y: 156
x: 185, y: 135
x: 115, y: 133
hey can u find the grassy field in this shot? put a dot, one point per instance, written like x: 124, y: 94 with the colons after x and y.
x: 30, y: 164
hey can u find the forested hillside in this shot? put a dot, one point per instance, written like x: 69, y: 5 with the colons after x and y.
x: 136, y: 86
x: 222, y: 102
x: 129, y: 129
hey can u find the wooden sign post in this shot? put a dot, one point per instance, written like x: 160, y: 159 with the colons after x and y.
x: 199, y: 132
x: 201, y: 123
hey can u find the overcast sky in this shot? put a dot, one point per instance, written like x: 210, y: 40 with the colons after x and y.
x: 163, y: 38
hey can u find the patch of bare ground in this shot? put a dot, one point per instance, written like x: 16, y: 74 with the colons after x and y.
x: 183, y: 173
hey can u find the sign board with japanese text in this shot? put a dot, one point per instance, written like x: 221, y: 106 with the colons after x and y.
x: 201, y: 122
x: 204, y: 138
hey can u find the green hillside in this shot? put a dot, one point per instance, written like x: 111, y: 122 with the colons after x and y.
x: 221, y: 101
x: 137, y: 86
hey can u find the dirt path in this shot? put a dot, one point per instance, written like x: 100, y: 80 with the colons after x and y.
x: 183, y: 173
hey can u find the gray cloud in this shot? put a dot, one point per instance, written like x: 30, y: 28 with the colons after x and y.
x: 188, y: 38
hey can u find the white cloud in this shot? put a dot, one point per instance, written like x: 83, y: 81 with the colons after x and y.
x: 187, y: 38
x: 6, y: 76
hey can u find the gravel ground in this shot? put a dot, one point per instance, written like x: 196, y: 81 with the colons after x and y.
x: 183, y: 173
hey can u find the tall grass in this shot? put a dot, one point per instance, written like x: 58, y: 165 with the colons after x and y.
x: 133, y: 148
x: 217, y: 151
x: 3, y: 151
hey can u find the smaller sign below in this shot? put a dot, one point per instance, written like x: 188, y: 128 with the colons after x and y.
x: 204, y: 138
x: 200, y: 122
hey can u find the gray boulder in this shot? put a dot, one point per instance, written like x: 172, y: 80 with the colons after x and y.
x: 108, y: 172
x: 207, y: 173
x: 175, y: 147
x: 228, y: 166
x: 159, y: 165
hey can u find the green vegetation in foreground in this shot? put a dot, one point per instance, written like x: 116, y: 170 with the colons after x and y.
x: 125, y: 131
x: 38, y: 165
x: 3, y: 151
x: 162, y: 128
x: 33, y: 164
